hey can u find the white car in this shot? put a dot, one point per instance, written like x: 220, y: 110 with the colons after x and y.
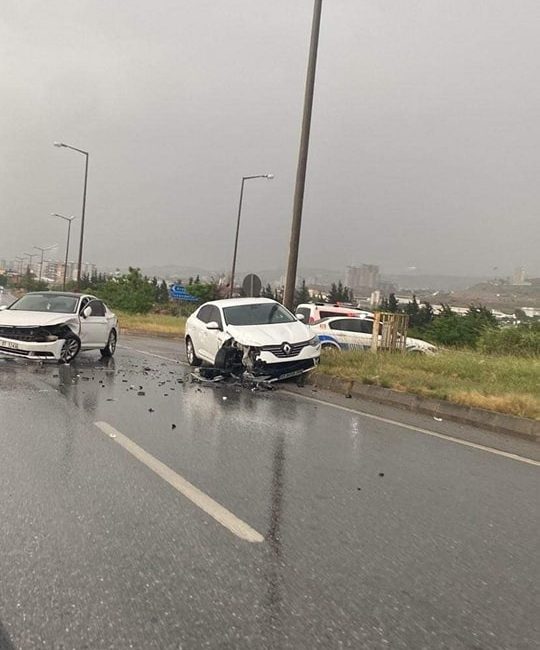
x: 356, y: 334
x: 316, y: 311
x: 256, y: 335
x: 50, y: 325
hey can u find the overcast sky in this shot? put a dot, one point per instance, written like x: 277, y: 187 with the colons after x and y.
x: 425, y: 146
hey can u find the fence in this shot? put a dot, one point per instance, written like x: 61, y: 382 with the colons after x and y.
x: 392, y: 329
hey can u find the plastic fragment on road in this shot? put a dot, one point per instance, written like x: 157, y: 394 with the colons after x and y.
x: 437, y: 419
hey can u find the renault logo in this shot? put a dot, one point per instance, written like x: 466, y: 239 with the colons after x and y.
x: 286, y: 348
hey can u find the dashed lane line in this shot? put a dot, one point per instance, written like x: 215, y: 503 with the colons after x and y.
x: 212, y: 508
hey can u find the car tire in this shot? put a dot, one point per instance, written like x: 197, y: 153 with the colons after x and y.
x: 329, y: 346
x: 192, y: 358
x: 70, y: 349
x: 110, y: 348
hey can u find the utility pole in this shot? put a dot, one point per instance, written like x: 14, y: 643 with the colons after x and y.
x: 292, y: 265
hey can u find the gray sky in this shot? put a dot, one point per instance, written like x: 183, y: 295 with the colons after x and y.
x: 425, y: 144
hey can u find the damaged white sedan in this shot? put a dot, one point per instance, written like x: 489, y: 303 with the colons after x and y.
x: 55, y: 326
x: 256, y: 337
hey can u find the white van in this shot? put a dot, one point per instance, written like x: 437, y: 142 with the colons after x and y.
x: 313, y: 312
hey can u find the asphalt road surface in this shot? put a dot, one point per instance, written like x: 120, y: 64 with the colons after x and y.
x: 140, y: 510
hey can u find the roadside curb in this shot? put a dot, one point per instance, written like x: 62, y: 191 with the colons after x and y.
x: 490, y: 420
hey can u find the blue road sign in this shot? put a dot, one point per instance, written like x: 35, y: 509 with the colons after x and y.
x: 179, y: 292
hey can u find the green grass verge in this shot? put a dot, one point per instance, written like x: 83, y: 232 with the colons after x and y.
x: 499, y: 383
x: 161, y: 324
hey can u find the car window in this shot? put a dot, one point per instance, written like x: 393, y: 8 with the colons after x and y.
x: 215, y: 316
x: 353, y: 325
x: 328, y: 313
x: 84, y: 302
x: 259, y: 313
x: 47, y: 302
x: 337, y: 324
x: 204, y: 313
x: 98, y: 308
x: 304, y: 311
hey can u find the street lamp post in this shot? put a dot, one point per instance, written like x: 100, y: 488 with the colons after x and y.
x: 30, y: 258
x: 292, y: 264
x: 244, y: 179
x: 20, y: 260
x: 69, y: 220
x: 39, y: 248
x: 81, y: 242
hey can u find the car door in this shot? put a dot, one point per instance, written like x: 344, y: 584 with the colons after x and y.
x: 94, y: 328
x: 358, y: 333
x: 214, y: 338
x: 199, y: 332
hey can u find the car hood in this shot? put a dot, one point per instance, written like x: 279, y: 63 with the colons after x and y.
x: 418, y: 343
x: 275, y: 334
x: 20, y: 318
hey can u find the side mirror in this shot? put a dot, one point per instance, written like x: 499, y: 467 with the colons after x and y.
x: 212, y: 325
x: 87, y: 311
x: 300, y: 317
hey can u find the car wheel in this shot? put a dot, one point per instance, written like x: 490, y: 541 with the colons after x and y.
x: 192, y: 358
x: 110, y: 348
x: 70, y: 349
x: 329, y: 347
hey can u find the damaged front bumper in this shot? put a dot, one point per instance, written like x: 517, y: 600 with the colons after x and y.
x: 35, y: 351
x: 264, y: 364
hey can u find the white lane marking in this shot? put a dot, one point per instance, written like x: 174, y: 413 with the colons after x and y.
x: 428, y: 432
x: 152, y: 354
x: 196, y: 496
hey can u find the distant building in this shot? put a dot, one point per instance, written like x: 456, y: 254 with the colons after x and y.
x: 363, y: 278
x: 518, y: 277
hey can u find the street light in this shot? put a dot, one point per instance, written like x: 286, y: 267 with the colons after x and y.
x: 81, y: 242
x: 30, y: 258
x: 39, y: 248
x: 244, y: 179
x: 298, y: 203
x: 69, y: 220
x: 20, y: 260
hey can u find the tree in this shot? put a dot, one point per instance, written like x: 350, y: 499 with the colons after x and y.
x: 393, y: 304
x: 302, y: 294
x: 131, y: 292
x: 267, y: 292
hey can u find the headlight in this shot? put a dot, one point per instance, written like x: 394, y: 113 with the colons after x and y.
x: 314, y: 341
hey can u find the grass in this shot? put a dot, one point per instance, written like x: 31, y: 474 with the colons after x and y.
x: 160, y: 324
x: 499, y: 383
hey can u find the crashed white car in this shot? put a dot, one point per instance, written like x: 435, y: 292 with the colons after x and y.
x: 55, y: 326
x: 256, y: 336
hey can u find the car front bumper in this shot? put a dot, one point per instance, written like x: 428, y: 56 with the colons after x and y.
x: 45, y: 351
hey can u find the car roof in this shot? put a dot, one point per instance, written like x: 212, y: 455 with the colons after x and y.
x: 344, y: 317
x: 67, y: 294
x: 236, y: 302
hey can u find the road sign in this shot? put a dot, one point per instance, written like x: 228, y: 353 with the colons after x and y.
x: 179, y: 292
x: 252, y: 285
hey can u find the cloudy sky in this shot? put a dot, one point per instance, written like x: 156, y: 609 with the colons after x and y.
x: 425, y: 147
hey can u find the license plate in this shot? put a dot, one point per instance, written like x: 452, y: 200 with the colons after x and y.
x: 9, y: 344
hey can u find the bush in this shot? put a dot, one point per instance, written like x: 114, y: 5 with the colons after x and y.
x: 523, y: 340
x: 130, y: 292
x: 449, y: 328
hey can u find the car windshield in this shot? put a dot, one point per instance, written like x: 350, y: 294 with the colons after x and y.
x: 261, y: 313
x: 47, y: 302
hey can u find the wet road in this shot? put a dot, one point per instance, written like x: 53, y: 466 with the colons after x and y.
x: 211, y: 516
